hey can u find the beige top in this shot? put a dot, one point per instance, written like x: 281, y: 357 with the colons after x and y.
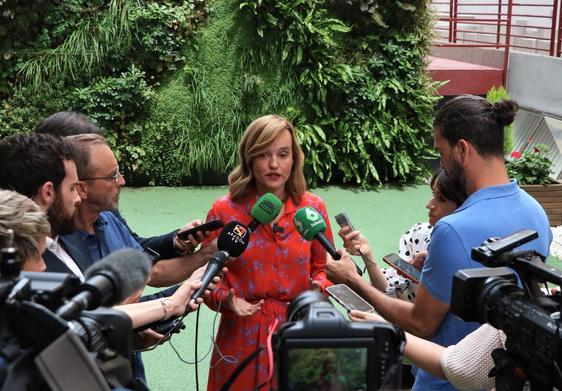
x: 468, y: 363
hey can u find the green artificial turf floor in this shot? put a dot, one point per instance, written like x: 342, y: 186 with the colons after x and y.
x: 382, y: 216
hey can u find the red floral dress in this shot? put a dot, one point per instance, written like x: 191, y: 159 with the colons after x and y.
x: 276, y: 267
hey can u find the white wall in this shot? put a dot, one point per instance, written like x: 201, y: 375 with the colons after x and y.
x: 536, y: 82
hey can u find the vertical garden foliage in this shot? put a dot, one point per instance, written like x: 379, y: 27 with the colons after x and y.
x: 175, y: 83
x: 360, y: 65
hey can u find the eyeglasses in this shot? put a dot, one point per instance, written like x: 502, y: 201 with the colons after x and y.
x: 115, y: 177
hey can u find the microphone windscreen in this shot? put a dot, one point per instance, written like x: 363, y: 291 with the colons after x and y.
x: 266, y: 208
x: 128, y: 267
x: 309, y: 222
x: 233, y: 238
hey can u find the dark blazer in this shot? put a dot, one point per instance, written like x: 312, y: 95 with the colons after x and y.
x: 76, y: 249
x: 163, y: 244
x: 54, y: 264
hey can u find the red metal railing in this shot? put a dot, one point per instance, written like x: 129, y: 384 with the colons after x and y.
x: 529, y: 25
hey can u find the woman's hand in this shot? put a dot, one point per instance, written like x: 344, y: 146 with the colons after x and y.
x: 240, y: 306
x: 361, y: 316
x: 181, y: 298
x: 354, y: 242
x: 418, y: 260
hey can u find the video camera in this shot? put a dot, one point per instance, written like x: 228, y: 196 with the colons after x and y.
x: 529, y: 318
x: 48, y: 342
x: 317, y: 349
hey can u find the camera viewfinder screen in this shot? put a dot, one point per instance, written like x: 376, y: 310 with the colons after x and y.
x: 329, y: 369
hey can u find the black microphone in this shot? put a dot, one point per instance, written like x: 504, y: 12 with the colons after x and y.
x: 232, y: 242
x: 109, y: 282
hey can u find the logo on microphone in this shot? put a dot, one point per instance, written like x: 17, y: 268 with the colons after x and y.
x: 311, y: 214
x: 267, y: 206
x: 240, y: 231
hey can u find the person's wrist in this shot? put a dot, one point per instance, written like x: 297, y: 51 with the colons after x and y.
x: 354, y: 279
x: 167, y: 307
x: 367, y: 253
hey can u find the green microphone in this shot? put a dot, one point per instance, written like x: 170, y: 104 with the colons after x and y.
x: 310, y: 225
x: 265, y: 210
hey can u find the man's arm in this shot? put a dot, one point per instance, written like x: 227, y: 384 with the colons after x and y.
x: 162, y: 244
x: 421, y: 318
x: 172, y: 271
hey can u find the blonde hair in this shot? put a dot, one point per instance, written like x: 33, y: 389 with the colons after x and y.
x: 26, y: 219
x: 256, y: 140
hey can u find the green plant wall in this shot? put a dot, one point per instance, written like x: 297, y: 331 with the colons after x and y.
x: 175, y: 83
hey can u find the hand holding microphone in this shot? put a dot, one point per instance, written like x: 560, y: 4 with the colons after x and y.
x: 311, y: 226
x: 232, y: 242
x: 265, y: 210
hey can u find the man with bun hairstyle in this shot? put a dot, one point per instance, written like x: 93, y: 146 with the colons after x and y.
x: 468, y: 134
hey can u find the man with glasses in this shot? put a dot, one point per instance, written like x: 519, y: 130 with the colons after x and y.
x: 69, y: 123
x: 100, y: 232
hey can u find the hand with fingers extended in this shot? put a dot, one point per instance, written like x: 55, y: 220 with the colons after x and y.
x: 190, y: 244
x: 240, y: 306
x: 354, y: 241
x: 361, y: 316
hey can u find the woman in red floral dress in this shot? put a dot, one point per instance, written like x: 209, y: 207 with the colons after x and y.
x: 277, y: 265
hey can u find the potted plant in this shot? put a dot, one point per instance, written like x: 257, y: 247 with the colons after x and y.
x: 532, y: 170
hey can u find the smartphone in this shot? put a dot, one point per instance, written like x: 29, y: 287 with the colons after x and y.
x: 343, y: 221
x: 348, y: 298
x: 152, y: 255
x: 403, y: 267
x: 212, y: 225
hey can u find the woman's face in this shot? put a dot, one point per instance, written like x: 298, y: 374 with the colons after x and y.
x: 439, y: 206
x: 272, y: 168
x: 36, y: 263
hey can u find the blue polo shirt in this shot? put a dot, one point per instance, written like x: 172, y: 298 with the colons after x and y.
x: 494, y: 211
x: 111, y: 235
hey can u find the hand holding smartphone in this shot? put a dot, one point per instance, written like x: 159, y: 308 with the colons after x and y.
x: 402, y: 267
x: 344, y: 221
x: 350, y: 300
x: 212, y: 225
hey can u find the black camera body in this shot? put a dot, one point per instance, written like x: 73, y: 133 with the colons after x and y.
x: 519, y: 307
x: 40, y: 350
x: 317, y: 349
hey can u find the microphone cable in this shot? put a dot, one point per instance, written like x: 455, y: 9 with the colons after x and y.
x: 230, y: 359
x: 196, y: 346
